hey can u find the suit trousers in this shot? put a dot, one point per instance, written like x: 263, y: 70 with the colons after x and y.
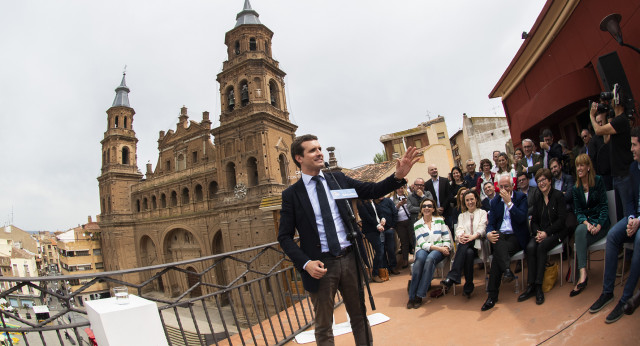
x: 537, y: 257
x: 463, y: 263
x: 341, y: 275
x: 506, y: 246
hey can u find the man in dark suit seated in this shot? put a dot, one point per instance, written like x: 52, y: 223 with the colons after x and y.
x: 507, y: 232
x: 324, y: 257
x: 564, y: 183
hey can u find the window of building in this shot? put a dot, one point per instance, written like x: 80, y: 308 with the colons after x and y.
x: 116, y: 122
x: 181, y: 163
x: 163, y: 201
x: 441, y: 135
x: 97, y: 252
x: 138, y: 205
x: 198, y: 193
x: 154, y: 204
x: 398, y: 148
x: 237, y: 48
x: 194, y: 157
x: 125, y: 155
x: 231, y: 176
x: 82, y: 253
x: 125, y: 122
x: 26, y: 270
x: 282, y: 161
x: 174, y: 198
x: 185, y: 196
x: 145, y: 204
x: 231, y: 99
x: 167, y: 165
x: 99, y: 265
x: 252, y: 171
x: 244, y: 93
x: 213, y: 189
x: 252, y: 44
x: 417, y: 143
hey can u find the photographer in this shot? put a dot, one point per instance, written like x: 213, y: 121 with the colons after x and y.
x: 619, y: 132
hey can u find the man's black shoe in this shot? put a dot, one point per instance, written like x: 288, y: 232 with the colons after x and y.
x: 527, y: 294
x: 603, y: 300
x: 508, y: 276
x: 617, y: 312
x: 632, y: 303
x: 489, y: 303
x: 447, y: 283
x: 539, y: 295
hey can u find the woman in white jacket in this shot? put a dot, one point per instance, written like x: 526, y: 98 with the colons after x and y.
x: 471, y: 228
x: 433, y: 243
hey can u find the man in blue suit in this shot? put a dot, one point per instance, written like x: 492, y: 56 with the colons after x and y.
x: 625, y: 231
x: 508, y: 233
x: 325, y: 258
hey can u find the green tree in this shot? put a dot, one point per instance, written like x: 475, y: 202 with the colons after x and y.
x: 380, y: 157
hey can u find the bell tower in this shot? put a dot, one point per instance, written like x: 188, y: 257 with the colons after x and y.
x: 255, y: 133
x: 119, y: 164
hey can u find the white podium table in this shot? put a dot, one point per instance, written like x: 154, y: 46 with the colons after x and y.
x: 136, y: 323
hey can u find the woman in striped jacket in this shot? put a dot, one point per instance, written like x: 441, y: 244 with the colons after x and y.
x: 433, y: 244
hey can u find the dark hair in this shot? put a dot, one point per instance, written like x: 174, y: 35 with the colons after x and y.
x: 544, y: 172
x: 556, y: 160
x: 456, y: 168
x: 485, y: 162
x: 635, y: 132
x: 464, y: 196
x: 509, y: 163
x: 520, y: 150
x: 296, y: 146
x: 547, y: 133
x: 521, y: 174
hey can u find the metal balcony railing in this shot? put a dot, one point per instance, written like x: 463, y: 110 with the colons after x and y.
x: 249, y: 296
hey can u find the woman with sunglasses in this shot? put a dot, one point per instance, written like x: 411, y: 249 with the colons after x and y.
x: 433, y: 244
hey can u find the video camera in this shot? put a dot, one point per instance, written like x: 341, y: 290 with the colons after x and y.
x: 610, y: 99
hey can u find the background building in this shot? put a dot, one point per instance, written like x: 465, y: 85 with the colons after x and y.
x: 431, y: 138
x: 204, y: 194
x: 81, y: 253
x: 565, y: 61
x: 479, y: 138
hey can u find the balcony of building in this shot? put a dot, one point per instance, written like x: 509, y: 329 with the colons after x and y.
x: 265, y: 304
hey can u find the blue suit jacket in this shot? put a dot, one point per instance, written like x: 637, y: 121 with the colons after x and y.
x: 518, y: 217
x: 297, y: 214
x: 634, y: 173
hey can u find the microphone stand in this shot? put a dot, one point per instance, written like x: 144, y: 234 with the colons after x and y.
x: 360, y: 269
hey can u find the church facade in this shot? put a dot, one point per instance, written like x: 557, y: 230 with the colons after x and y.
x: 203, y: 196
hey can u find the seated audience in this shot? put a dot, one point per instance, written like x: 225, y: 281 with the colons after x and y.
x: 592, y: 212
x: 469, y: 232
x: 457, y: 209
x: 433, y: 244
x: 471, y: 176
x: 547, y: 228
x: 508, y: 233
x: 625, y: 231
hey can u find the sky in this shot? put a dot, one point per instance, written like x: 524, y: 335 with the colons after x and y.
x: 355, y: 70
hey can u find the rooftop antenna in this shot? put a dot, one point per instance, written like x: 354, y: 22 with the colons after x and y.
x: 428, y: 115
x: 125, y: 70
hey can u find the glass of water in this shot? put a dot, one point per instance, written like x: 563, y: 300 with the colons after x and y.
x: 121, y: 293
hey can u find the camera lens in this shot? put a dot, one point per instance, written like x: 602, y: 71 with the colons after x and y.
x: 606, y: 95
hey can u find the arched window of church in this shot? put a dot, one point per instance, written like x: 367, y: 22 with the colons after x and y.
x: 198, y: 192
x: 252, y: 44
x: 104, y: 158
x: 163, y: 201
x: 174, y: 198
x: 102, y: 208
x: 274, y: 94
x: 231, y: 176
x: 231, y: 99
x: 108, y: 155
x: 116, y: 122
x: 125, y: 155
x: 138, y: 205
x: 125, y: 122
x: 109, y: 205
x: 244, y: 93
x: 185, y: 196
x: 252, y: 171
x: 266, y: 47
x: 237, y: 48
x: 181, y: 163
x: 154, y: 203
x: 145, y: 204
x: 282, y: 160
x: 213, y: 189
